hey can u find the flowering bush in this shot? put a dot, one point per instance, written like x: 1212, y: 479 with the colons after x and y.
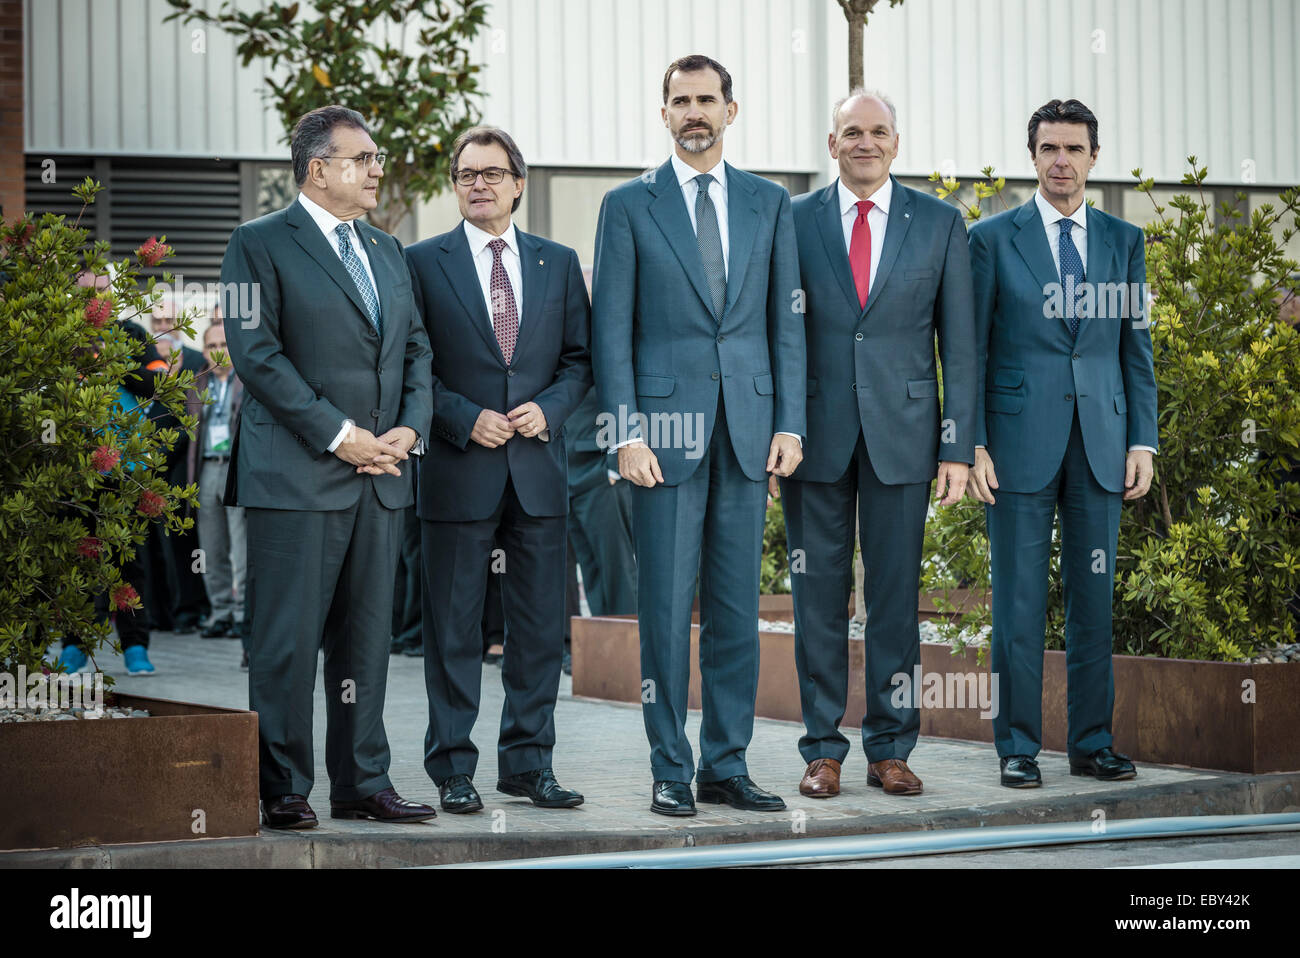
x: 80, y: 467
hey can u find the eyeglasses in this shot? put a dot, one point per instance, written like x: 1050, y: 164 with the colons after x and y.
x: 365, y: 160
x: 492, y: 176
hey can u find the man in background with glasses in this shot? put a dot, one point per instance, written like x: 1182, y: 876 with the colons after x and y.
x: 508, y: 317
x: 336, y: 371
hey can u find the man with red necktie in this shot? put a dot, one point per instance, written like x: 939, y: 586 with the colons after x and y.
x: 508, y: 319
x: 885, y: 270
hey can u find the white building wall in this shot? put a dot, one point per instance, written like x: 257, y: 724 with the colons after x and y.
x: 577, y: 81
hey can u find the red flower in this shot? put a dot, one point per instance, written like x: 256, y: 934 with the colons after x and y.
x: 89, y: 547
x: 23, y: 231
x: 98, y: 310
x: 151, y: 504
x: 104, y: 458
x: 125, y: 597
x: 153, y: 252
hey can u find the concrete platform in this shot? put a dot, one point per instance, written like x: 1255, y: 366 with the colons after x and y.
x: 603, y: 753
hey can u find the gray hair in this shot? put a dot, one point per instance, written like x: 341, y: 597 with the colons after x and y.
x: 313, y: 136
x: 862, y: 91
x: 486, y: 136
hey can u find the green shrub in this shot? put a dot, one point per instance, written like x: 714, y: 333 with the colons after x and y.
x: 80, y: 477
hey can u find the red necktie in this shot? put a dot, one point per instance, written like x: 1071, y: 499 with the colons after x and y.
x: 505, y: 315
x: 860, y: 252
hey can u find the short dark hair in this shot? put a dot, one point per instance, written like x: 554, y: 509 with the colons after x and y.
x: 486, y: 136
x: 313, y: 135
x: 1062, y: 111
x: 695, y: 63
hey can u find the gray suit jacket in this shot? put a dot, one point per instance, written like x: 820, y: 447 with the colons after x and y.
x: 660, y: 353
x: 309, y: 358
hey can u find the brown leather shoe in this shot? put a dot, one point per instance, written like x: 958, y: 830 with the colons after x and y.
x: 287, y: 811
x: 821, y: 779
x: 383, y: 806
x: 894, y: 777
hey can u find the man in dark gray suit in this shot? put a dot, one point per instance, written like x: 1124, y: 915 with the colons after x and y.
x: 887, y: 271
x: 699, y: 358
x: 508, y: 318
x: 323, y: 330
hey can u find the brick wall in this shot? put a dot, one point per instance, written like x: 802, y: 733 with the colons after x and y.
x: 11, y: 108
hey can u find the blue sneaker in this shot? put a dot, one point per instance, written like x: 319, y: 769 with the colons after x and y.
x: 137, y: 661
x: 72, y: 659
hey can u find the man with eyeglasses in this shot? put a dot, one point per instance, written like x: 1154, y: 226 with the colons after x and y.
x: 336, y: 371
x: 508, y: 317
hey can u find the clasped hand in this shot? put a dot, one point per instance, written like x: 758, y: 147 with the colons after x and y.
x: 376, y: 455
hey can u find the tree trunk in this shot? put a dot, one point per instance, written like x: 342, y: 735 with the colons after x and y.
x: 856, y: 30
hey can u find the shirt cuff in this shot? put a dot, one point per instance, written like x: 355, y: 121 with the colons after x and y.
x: 795, y: 434
x: 627, y: 442
x: 1142, y: 449
x: 343, y: 432
x: 418, y: 448
x: 544, y: 435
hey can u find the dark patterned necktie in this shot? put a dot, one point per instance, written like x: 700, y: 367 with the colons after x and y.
x: 352, y: 263
x: 1071, y: 275
x: 709, y: 238
x: 505, y: 316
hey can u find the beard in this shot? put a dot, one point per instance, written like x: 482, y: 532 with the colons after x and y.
x: 697, y: 140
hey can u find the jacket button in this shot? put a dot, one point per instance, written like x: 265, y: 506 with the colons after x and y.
x: 1069, y: 396
x: 1076, y: 355
x: 376, y: 413
x: 715, y: 377
x: 380, y: 370
x: 855, y: 387
x: 510, y: 372
x: 722, y: 339
x: 858, y: 337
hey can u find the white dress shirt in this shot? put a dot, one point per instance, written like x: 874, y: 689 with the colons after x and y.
x: 877, y: 219
x: 1052, y: 223
x: 1052, y: 217
x: 478, y: 249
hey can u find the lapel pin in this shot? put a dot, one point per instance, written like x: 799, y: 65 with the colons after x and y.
x: 907, y: 216
x: 541, y: 262
x: 374, y: 241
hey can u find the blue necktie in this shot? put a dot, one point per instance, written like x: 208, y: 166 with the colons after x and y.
x: 709, y: 238
x: 1071, y: 266
x: 352, y: 263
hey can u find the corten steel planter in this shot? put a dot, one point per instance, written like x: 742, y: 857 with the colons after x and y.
x: 130, y: 779
x: 1167, y: 711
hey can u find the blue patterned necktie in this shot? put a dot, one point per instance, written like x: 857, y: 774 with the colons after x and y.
x: 1071, y: 266
x: 709, y: 238
x: 352, y: 263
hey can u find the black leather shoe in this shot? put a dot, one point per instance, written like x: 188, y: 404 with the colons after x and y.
x: 1020, y: 771
x: 1106, y: 764
x: 220, y: 629
x: 458, y: 796
x: 287, y: 811
x: 738, y: 792
x: 383, y: 806
x: 672, y: 798
x: 540, y: 787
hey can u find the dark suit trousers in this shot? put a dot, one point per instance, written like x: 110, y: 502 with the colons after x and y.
x: 406, y: 594
x: 819, y: 521
x: 457, y: 558
x: 322, y: 578
x: 710, y: 525
x: 1020, y: 545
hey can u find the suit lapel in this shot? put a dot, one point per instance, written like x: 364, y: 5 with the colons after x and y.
x: 384, y: 278
x: 669, y: 211
x: 458, y: 266
x: 1031, y: 242
x: 313, y: 241
x: 1100, y: 251
x: 534, y: 274
x: 742, y: 220
x: 831, y: 227
x: 900, y: 220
